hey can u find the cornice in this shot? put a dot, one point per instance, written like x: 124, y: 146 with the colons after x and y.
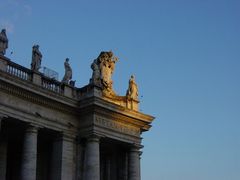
x: 29, y: 93
x: 116, y: 112
x: 34, y: 93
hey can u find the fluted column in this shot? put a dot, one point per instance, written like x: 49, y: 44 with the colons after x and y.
x: 134, y: 164
x: 29, y: 161
x: 92, y: 159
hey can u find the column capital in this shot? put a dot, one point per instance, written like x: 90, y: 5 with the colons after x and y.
x: 93, y: 138
x: 68, y: 137
x: 32, y: 128
x: 62, y: 136
x: 136, y: 147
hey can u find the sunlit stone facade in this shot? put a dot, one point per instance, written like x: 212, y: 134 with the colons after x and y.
x: 55, y: 131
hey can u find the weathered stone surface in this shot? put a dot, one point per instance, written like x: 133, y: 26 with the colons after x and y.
x: 103, y: 68
x: 92, y: 159
x: 62, y: 162
x: 29, y: 161
x: 134, y: 164
x: 28, y: 97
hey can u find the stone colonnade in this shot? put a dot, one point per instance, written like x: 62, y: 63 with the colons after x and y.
x: 92, y: 161
x: 63, y: 162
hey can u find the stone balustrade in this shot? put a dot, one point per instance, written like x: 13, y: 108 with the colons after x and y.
x: 26, y: 74
x: 51, y: 84
x: 53, y: 130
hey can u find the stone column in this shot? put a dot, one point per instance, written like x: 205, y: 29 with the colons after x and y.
x: 29, y: 158
x: 63, y: 164
x: 92, y: 159
x: 125, y: 166
x: 68, y: 154
x: 134, y: 164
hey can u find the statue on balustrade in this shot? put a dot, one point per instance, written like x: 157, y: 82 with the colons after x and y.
x: 68, y: 72
x: 132, y: 91
x: 103, y: 68
x: 36, y: 58
x: 96, y: 80
x: 3, y: 42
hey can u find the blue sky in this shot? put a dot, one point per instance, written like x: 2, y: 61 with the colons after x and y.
x: 186, y: 59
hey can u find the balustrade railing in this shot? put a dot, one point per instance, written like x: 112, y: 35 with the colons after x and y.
x: 51, y: 84
x: 28, y: 75
x: 18, y: 71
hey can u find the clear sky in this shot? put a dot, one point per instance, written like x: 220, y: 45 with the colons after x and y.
x: 185, y: 55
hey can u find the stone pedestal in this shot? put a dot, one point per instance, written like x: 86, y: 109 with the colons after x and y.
x: 29, y: 161
x: 68, y: 91
x: 92, y: 159
x: 36, y: 78
x: 3, y: 63
x: 134, y: 164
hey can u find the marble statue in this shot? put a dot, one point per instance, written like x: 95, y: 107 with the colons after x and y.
x: 107, y: 64
x: 3, y: 42
x: 103, y: 68
x: 96, y: 73
x: 68, y: 72
x: 36, y: 58
x: 132, y: 91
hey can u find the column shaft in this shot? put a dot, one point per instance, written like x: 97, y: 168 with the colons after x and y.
x: 92, y: 160
x: 29, y: 159
x: 62, y: 163
x: 134, y: 164
x: 68, y: 164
